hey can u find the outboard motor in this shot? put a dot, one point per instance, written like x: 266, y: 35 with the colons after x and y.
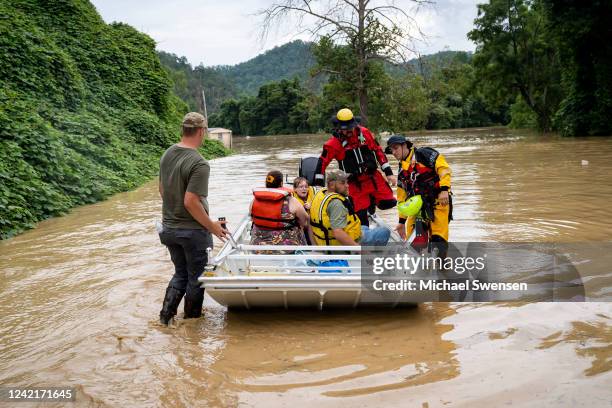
x: 308, y: 168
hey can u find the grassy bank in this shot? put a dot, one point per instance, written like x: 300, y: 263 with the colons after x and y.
x: 85, y: 110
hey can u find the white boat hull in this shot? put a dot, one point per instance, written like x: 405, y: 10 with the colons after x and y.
x: 240, y: 277
x: 318, y: 292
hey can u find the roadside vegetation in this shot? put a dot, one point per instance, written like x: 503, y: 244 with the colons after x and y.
x: 86, y: 110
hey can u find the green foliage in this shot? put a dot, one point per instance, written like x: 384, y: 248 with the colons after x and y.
x: 581, y: 31
x: 53, y: 78
x: 85, y: 110
x: 213, y: 148
x: 434, y: 91
x: 228, y: 116
x: 339, y: 63
x: 189, y: 83
x: 144, y: 127
x: 288, y: 61
x: 556, y: 55
x: 224, y: 82
x: 456, y: 100
x: 444, y: 96
x: 546, y: 63
x: 279, y: 108
x: 515, y: 55
x: 523, y: 117
x: 426, y: 65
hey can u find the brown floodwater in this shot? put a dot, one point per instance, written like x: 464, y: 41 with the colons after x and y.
x: 80, y: 297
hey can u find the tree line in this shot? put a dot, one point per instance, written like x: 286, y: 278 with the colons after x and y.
x: 553, y: 58
x: 541, y: 64
x: 442, y: 98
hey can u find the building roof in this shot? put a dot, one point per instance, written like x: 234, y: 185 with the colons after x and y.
x: 218, y: 130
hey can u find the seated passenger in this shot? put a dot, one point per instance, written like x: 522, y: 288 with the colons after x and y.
x: 278, y: 218
x: 333, y: 220
x: 303, y: 192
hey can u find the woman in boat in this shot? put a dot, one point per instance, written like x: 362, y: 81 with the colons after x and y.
x: 278, y: 217
x: 303, y: 192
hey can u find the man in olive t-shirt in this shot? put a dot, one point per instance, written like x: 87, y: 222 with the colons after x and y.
x: 182, y: 169
x: 187, y: 228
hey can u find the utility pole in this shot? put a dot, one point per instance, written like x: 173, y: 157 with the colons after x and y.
x: 204, y: 103
x: 201, y: 84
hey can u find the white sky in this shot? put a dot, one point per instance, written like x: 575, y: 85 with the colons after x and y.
x: 216, y: 32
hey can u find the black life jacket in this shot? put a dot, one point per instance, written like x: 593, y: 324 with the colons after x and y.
x: 419, y: 177
x: 359, y: 160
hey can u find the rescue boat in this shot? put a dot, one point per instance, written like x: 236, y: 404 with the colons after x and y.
x: 240, y: 276
x: 248, y: 276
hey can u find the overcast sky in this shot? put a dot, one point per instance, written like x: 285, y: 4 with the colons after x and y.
x: 216, y: 32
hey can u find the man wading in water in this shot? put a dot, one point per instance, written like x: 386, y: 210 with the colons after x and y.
x: 187, y: 228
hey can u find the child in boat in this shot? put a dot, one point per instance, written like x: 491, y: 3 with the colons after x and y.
x: 278, y: 217
x: 303, y: 192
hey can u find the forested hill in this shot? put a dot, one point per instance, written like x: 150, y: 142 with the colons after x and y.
x: 288, y: 61
x: 86, y: 109
x: 292, y: 60
x: 223, y: 82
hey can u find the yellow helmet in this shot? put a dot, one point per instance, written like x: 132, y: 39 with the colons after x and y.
x: 344, y: 115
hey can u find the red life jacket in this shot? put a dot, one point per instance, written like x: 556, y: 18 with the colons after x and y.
x: 267, y: 209
x: 424, y: 180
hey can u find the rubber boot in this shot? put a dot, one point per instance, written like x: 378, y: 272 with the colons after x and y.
x: 194, y: 298
x: 421, y: 235
x: 171, y: 301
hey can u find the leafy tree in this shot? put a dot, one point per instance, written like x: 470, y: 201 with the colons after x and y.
x: 282, y: 107
x: 368, y: 32
x: 514, y: 54
x: 581, y: 30
x: 228, y: 116
x: 189, y: 83
x: 522, y: 116
x: 406, y: 105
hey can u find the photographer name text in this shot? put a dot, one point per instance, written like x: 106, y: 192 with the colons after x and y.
x: 446, y: 285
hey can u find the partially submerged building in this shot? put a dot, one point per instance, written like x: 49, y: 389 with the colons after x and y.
x: 222, y: 135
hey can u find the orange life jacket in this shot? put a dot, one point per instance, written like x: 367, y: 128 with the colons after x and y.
x: 267, y: 209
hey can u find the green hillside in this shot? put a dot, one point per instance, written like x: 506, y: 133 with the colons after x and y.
x: 426, y: 65
x: 287, y: 61
x: 85, y: 109
x: 292, y: 60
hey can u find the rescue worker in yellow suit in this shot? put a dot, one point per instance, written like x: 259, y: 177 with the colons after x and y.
x: 425, y: 172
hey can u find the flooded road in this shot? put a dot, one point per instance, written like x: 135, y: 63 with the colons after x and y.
x: 80, y: 298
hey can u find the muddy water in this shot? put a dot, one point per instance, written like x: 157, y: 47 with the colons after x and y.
x: 81, y: 293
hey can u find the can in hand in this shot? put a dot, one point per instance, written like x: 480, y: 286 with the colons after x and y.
x: 223, y: 222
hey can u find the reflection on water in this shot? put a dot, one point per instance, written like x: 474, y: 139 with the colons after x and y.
x: 591, y: 340
x: 81, y: 293
x: 309, y: 357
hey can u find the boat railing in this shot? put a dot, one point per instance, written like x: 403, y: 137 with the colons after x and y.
x: 306, y: 248
x: 301, y: 261
x: 285, y: 259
